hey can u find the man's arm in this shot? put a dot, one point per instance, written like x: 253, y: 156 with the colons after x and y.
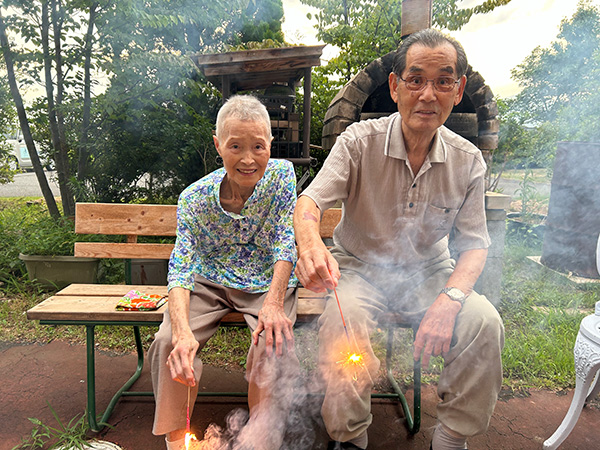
x: 316, y: 269
x: 185, y: 346
x: 435, y: 332
x: 271, y: 317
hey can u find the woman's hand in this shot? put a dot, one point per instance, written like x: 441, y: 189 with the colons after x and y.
x: 181, y: 359
x: 276, y: 325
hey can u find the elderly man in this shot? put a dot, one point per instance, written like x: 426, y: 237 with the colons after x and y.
x: 409, y: 186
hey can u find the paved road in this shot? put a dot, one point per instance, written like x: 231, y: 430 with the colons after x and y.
x: 26, y: 185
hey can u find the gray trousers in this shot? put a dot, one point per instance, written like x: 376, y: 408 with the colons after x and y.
x: 472, y: 376
x: 209, y: 303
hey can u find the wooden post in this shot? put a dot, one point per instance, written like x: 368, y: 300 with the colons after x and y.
x: 416, y: 15
x: 307, y: 114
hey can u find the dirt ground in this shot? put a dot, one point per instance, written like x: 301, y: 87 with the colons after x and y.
x: 35, y: 376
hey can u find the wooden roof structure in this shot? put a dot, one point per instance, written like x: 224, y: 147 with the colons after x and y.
x: 250, y: 70
x: 258, y: 69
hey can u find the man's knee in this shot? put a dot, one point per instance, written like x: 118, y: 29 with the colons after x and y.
x: 480, y: 321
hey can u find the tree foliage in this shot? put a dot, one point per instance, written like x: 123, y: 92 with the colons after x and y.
x: 126, y: 114
x: 560, y: 99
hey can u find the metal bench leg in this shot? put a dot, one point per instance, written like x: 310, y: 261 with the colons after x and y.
x: 413, y: 425
x: 91, y: 380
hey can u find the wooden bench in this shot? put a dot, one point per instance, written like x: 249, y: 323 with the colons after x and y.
x: 91, y: 305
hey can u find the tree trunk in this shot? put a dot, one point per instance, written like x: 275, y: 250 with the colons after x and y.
x: 84, y: 153
x: 58, y: 138
x: 24, y: 123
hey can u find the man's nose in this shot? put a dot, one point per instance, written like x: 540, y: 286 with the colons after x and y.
x: 428, y: 92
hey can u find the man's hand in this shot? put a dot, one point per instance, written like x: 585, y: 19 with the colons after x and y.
x: 277, y: 327
x: 181, y: 359
x: 317, y: 269
x: 435, y: 332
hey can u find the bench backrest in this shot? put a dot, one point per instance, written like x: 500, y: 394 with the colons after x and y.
x: 133, y: 221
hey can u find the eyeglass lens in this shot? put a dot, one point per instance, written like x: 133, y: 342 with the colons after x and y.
x: 418, y: 82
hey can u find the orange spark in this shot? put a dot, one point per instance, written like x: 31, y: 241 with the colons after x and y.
x: 189, y: 437
x: 352, y: 361
x: 354, y: 358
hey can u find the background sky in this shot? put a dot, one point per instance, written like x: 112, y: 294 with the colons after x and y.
x: 495, y: 42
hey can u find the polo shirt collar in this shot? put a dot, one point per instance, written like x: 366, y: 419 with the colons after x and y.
x: 394, y: 142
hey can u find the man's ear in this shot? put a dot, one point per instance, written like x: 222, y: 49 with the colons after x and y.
x: 461, y: 90
x: 216, y: 142
x: 393, y: 84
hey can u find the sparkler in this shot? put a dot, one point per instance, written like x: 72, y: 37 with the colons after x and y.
x: 351, y: 359
x: 342, y: 314
x: 189, y: 437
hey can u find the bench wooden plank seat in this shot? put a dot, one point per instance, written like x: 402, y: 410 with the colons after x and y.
x: 92, y: 305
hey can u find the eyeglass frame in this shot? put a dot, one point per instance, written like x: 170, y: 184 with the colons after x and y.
x: 427, y: 80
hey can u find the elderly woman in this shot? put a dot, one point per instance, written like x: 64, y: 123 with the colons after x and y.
x: 235, y: 251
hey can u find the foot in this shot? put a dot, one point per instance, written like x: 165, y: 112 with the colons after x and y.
x: 336, y: 445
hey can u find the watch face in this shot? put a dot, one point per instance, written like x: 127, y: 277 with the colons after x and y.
x: 456, y: 294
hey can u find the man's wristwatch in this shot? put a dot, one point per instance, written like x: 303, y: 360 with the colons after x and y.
x: 455, y: 294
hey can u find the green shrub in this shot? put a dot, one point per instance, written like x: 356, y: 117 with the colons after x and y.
x: 26, y: 227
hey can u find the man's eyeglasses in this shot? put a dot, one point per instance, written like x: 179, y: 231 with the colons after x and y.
x: 418, y: 82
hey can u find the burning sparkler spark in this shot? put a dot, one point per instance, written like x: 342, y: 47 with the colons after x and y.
x: 352, y: 361
x: 189, y: 437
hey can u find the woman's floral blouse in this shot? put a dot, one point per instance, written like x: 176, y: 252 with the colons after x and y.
x: 236, y: 251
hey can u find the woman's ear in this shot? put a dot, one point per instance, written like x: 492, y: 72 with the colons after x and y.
x: 216, y: 141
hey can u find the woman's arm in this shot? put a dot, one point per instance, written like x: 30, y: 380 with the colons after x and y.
x: 271, y: 317
x: 185, y: 346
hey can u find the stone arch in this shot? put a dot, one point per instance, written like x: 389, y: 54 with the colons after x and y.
x: 367, y: 95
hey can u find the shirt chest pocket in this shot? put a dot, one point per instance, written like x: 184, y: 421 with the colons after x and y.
x: 437, y: 223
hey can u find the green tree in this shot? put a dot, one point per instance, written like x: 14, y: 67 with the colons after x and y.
x: 105, y: 66
x: 560, y: 98
x: 261, y: 21
x: 521, y: 145
x: 153, y: 124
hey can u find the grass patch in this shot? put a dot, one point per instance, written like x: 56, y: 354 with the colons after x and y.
x: 541, y: 313
x: 537, y: 175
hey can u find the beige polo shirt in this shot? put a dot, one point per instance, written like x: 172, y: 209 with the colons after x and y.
x: 392, y: 216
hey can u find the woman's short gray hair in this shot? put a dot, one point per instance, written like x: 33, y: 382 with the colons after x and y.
x: 242, y: 107
x: 430, y: 38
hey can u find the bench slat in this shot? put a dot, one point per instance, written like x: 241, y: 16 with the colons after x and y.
x: 123, y: 250
x: 86, y: 290
x: 152, y: 220
x: 96, y: 303
x: 91, y: 308
x: 139, y: 220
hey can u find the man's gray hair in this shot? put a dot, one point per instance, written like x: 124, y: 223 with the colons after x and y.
x: 430, y: 38
x: 242, y: 107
